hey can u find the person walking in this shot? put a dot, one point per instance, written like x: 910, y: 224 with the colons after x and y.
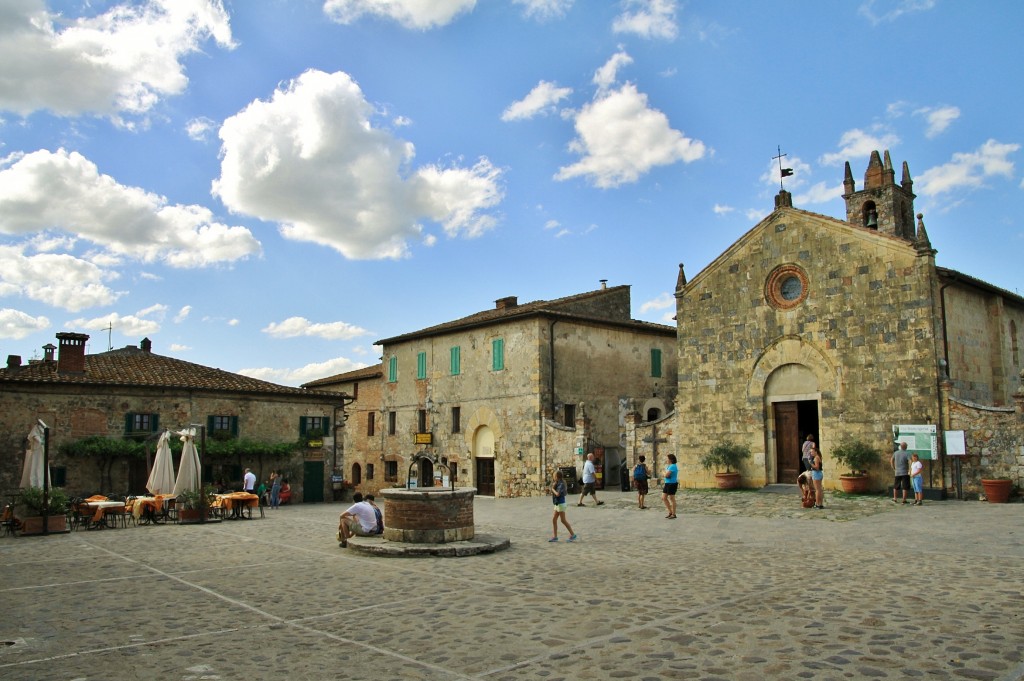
x: 275, y: 489
x: 557, y: 491
x: 817, y: 476
x: 900, y: 461
x: 671, y: 484
x: 641, y: 474
x: 589, y: 481
x: 807, y: 452
x: 916, y: 480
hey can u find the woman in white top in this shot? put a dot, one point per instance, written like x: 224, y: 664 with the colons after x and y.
x: 916, y: 481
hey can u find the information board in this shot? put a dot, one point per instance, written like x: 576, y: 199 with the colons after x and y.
x: 921, y: 440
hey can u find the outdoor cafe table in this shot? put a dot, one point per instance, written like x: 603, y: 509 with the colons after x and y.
x: 101, y: 509
x: 237, y: 503
x: 149, y: 509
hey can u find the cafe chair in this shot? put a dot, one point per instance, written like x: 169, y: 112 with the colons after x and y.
x: 10, y: 526
x: 81, y: 515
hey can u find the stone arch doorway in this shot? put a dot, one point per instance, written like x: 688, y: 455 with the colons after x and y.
x: 483, y: 460
x: 792, y: 401
x: 357, y: 474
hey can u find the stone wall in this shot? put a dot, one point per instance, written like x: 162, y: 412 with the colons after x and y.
x: 995, y: 443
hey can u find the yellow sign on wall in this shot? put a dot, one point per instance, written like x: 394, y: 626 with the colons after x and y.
x: 424, y: 439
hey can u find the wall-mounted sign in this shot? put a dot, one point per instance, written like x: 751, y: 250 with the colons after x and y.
x: 956, y: 444
x: 315, y: 444
x: 424, y: 439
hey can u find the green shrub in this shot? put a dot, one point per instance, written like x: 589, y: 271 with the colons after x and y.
x: 30, y: 501
x: 726, y: 455
x: 857, y: 455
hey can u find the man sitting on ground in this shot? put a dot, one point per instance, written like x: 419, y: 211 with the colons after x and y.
x: 358, y: 520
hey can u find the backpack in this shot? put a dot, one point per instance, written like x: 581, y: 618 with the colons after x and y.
x: 640, y: 472
x: 380, y: 521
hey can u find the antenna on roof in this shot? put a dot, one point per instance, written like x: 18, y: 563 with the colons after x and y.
x: 110, y: 330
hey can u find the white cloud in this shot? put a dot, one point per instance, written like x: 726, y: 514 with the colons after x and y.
x: 968, y: 170
x: 415, y: 14
x: 294, y: 327
x: 60, y: 190
x: 818, y: 193
x: 552, y: 224
x: 608, y: 73
x: 857, y: 143
x: 771, y: 175
x: 119, y: 62
x: 183, y: 314
x: 15, y: 324
x: 178, y: 347
x: 754, y: 214
x: 722, y: 210
x: 877, y: 11
x: 128, y: 325
x: 305, y: 374
x: 311, y: 159
x: 60, y: 280
x: 663, y: 301
x: 938, y: 119
x: 648, y: 19
x: 542, y: 99
x: 544, y: 9
x: 199, y: 129
x: 621, y: 138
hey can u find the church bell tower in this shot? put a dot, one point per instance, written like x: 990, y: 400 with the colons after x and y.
x: 882, y: 204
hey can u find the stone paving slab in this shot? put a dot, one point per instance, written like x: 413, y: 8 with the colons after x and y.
x: 743, y: 585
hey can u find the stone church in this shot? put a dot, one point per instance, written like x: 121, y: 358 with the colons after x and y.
x: 809, y: 324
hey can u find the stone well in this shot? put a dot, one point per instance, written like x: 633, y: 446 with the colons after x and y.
x: 430, y: 515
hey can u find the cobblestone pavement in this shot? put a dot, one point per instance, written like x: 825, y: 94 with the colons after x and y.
x: 743, y: 585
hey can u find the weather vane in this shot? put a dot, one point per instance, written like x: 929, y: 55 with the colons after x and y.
x: 783, y: 172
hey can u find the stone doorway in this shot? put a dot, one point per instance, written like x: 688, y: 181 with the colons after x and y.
x: 793, y: 421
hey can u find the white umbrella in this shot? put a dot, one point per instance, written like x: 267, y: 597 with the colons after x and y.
x: 188, y: 469
x: 32, y: 474
x: 161, y: 478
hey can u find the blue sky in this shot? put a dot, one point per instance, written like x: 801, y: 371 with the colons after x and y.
x: 270, y: 186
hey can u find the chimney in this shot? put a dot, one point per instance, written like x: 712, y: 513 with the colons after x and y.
x: 71, y: 355
x: 147, y: 345
x: 13, y: 361
x: 506, y: 302
x: 604, y: 284
x: 48, y: 351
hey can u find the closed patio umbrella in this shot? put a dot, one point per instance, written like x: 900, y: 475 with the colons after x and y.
x: 32, y: 475
x: 161, y: 478
x: 188, y: 469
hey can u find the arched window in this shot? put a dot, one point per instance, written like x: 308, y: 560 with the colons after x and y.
x: 869, y: 215
x: 653, y: 414
x: 357, y: 474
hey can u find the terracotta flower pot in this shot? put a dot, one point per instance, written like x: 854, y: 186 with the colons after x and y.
x: 34, y: 525
x: 727, y: 480
x: 854, y: 484
x: 997, y: 491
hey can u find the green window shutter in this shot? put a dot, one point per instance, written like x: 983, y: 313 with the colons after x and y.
x: 326, y: 425
x: 154, y: 423
x: 456, y: 361
x: 498, y: 354
x: 209, y: 424
x: 421, y: 365
x: 302, y: 426
x: 234, y: 426
x: 392, y: 369
x: 129, y: 422
x: 655, y: 362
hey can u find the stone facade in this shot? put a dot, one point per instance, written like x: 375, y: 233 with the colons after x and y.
x: 490, y: 395
x: 99, y: 392
x: 808, y: 324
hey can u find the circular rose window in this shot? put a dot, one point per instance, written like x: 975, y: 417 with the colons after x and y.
x: 786, y: 287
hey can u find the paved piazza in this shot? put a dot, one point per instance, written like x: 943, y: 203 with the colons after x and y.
x: 744, y: 585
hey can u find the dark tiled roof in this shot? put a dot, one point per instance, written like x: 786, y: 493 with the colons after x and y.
x: 968, y: 279
x: 374, y: 371
x: 560, y: 307
x: 132, y: 367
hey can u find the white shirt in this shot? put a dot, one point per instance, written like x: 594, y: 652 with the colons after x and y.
x: 364, y: 512
x: 249, y: 483
x: 915, y: 468
x: 589, y: 472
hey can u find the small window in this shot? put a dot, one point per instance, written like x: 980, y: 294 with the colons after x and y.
x: 569, y: 414
x: 392, y: 422
x: 392, y: 369
x: 421, y: 365
x: 222, y: 427
x: 655, y: 363
x: 456, y: 360
x: 421, y: 421
x: 369, y: 471
x: 390, y: 471
x: 141, y: 424
x: 498, y: 354
x: 59, y: 476
x: 314, y: 427
x: 456, y: 419
x: 371, y: 423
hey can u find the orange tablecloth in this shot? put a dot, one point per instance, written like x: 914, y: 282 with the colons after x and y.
x: 140, y: 505
x: 236, y: 500
x: 102, y: 507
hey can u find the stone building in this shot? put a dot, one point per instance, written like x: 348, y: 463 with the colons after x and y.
x: 837, y: 328
x: 134, y: 392
x: 504, y: 396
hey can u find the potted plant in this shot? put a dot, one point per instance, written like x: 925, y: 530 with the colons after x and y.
x: 997, y: 490
x: 727, y: 455
x: 857, y: 456
x: 192, y: 504
x: 30, y: 509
